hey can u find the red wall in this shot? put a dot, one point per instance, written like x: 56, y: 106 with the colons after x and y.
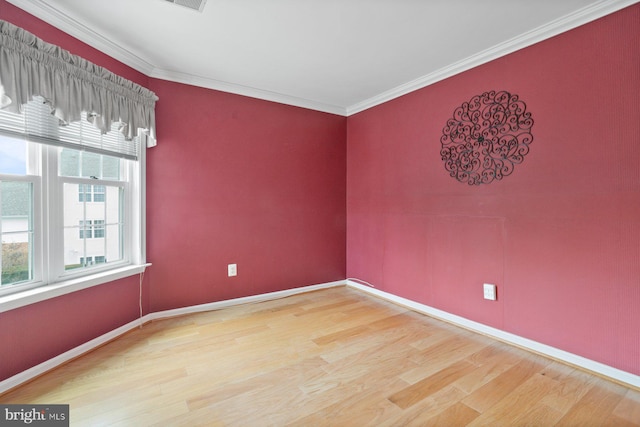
x: 38, y: 332
x: 238, y: 180
x: 560, y: 237
x: 232, y: 180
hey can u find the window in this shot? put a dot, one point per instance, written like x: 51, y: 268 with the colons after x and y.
x: 88, y: 193
x: 84, y: 193
x: 98, y: 193
x: 91, y: 229
x: 16, y: 229
x: 85, y: 229
x: 98, y: 228
x: 75, y: 156
x: 65, y: 213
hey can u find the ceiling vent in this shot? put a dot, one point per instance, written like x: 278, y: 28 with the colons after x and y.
x: 191, y: 4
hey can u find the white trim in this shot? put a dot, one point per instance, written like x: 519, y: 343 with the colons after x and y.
x: 572, y: 359
x: 65, y: 357
x: 544, y: 32
x: 41, y: 293
x: 597, y: 10
x: 251, y: 92
x: 244, y: 300
x: 60, y: 20
x: 53, y: 16
x: 534, y: 346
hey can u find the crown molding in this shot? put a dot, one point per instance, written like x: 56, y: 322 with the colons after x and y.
x: 247, y: 91
x: 42, y: 10
x: 58, y: 19
x: 551, y: 29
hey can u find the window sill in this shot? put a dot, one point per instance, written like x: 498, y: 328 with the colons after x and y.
x: 42, y: 293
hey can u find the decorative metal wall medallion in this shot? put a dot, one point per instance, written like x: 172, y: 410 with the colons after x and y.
x: 486, y: 138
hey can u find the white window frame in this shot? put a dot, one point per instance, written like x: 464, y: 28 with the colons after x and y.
x: 56, y: 233
x: 49, y: 278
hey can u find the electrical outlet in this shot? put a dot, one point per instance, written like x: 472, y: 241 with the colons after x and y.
x: 489, y: 291
x: 232, y: 270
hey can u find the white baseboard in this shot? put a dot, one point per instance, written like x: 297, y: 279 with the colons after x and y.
x: 554, y: 353
x: 43, y: 367
x: 244, y: 300
x: 67, y: 356
x: 598, y: 368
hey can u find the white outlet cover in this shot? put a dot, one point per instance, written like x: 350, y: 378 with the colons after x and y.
x: 232, y: 270
x: 489, y: 291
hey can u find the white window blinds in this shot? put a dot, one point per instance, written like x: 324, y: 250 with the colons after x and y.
x: 36, y: 123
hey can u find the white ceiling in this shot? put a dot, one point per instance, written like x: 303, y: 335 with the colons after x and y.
x: 338, y: 56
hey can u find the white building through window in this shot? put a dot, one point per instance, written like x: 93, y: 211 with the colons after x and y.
x: 86, y: 232
x: 88, y: 192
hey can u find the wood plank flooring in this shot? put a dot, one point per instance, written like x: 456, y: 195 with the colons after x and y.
x: 334, y: 357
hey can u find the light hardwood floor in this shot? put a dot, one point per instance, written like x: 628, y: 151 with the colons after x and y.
x: 332, y: 357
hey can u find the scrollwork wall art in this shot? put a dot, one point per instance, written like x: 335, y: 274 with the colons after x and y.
x: 486, y: 138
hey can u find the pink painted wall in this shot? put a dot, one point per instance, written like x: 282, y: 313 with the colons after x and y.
x: 232, y: 180
x: 560, y: 237
x: 38, y: 332
x: 238, y: 180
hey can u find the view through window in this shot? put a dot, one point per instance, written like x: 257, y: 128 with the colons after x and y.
x: 62, y: 212
x: 16, y: 213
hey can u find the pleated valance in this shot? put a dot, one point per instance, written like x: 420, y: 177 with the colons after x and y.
x: 70, y: 85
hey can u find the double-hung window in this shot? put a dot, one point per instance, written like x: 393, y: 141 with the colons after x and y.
x: 72, y: 156
x: 67, y: 210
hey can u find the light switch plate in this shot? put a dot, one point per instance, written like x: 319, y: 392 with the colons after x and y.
x: 490, y: 291
x: 232, y: 270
